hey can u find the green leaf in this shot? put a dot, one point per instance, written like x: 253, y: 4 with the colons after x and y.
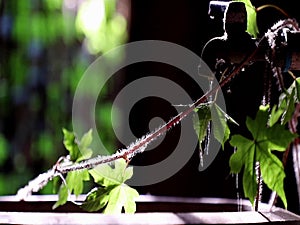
x: 208, y: 113
x: 252, y: 27
x: 297, y: 85
x: 106, y: 175
x: 71, y: 145
x: 96, y: 199
x: 119, y: 197
x: 238, y: 159
x: 83, y: 146
x: 62, y: 196
x: 220, y: 127
x: 290, y: 106
x: 276, y: 113
x: 78, y: 150
x: 114, y: 195
x: 288, y: 99
x: 74, y: 184
x: 201, y: 123
x: 249, y: 182
x: 265, y: 140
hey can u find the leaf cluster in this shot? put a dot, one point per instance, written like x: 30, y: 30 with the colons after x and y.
x: 207, y: 114
x: 269, y: 133
x: 112, y: 195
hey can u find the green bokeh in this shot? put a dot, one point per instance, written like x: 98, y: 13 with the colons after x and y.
x: 44, y: 54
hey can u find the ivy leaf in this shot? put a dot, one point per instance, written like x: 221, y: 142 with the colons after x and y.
x: 78, y: 150
x: 63, y: 194
x: 220, y: 127
x: 276, y: 113
x: 114, y: 194
x: 74, y: 184
x: 70, y: 144
x: 96, y: 199
x: 83, y: 146
x: 74, y: 181
x: 288, y: 99
x: 106, y: 175
x: 259, y: 149
x: 201, y: 123
x: 119, y: 197
x: 208, y: 113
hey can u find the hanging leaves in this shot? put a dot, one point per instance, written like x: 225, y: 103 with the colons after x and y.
x: 208, y: 113
x: 201, y: 123
x: 220, y: 127
x: 265, y: 139
x: 114, y: 195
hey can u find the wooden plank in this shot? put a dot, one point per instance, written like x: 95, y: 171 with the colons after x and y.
x: 278, y: 214
x: 145, y: 203
x: 222, y: 218
x: 25, y: 218
x: 158, y: 210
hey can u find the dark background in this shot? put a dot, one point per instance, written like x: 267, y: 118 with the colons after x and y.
x: 187, y: 23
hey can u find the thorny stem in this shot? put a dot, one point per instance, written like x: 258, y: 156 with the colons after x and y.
x: 140, y: 144
x: 40, y: 181
x: 143, y: 142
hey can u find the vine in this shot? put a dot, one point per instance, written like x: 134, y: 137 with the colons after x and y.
x: 110, y: 172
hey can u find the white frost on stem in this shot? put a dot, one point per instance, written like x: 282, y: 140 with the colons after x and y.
x: 36, y: 184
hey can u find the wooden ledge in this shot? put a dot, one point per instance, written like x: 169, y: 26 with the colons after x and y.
x: 149, y: 218
x: 158, y: 210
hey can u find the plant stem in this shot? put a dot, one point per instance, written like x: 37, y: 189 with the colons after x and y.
x: 142, y: 143
x: 272, y: 6
x: 139, y: 145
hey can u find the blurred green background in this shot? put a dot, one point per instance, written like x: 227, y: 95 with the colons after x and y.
x: 45, y: 48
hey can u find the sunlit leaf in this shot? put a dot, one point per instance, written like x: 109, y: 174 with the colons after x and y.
x: 122, y: 196
x: 78, y: 150
x: 259, y: 149
x: 106, y: 175
x: 74, y: 184
x: 276, y: 113
x: 114, y: 195
x: 62, y: 197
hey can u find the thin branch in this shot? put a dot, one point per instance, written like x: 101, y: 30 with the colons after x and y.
x: 137, y: 147
x: 272, y: 6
